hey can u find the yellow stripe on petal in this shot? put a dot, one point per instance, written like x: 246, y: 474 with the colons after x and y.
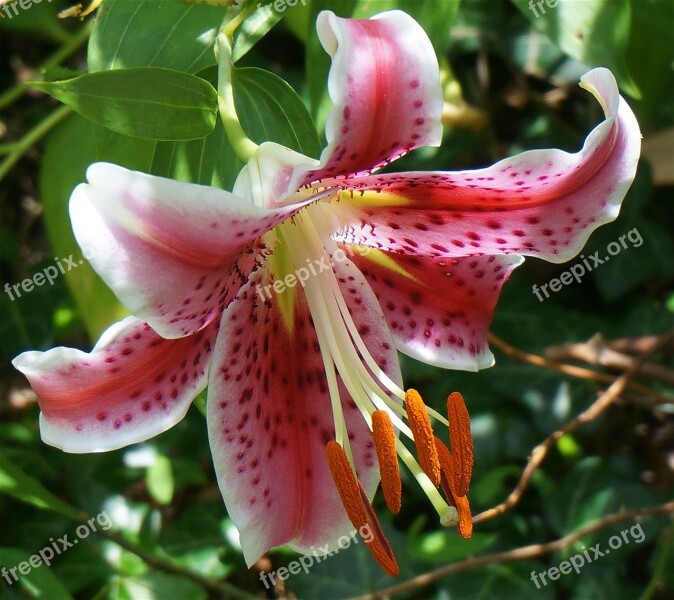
x: 382, y: 259
x: 281, y: 266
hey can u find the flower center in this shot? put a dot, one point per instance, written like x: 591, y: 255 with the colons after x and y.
x: 305, y: 240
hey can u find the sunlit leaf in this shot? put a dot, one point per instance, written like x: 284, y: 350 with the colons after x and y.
x: 595, y: 32
x: 144, y: 102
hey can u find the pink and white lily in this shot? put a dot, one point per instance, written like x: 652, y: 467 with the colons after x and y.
x: 408, y: 261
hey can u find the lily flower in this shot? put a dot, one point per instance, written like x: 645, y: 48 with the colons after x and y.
x: 290, y: 296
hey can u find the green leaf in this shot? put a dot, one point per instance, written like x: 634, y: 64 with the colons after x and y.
x: 160, y: 480
x: 69, y: 150
x: 157, y: 585
x: 446, y: 546
x: 595, y: 33
x: 270, y: 110
x: 23, y: 487
x: 144, y: 102
x: 39, y: 582
x: 157, y: 33
x: 254, y: 28
x: 652, y: 63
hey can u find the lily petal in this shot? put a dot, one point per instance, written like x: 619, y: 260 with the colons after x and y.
x: 385, y: 86
x: 132, y: 386
x: 180, y: 252
x: 270, y: 418
x: 439, y: 310
x: 543, y: 203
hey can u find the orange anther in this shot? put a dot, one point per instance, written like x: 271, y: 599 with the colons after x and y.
x: 420, y: 424
x: 447, y: 466
x: 359, y: 509
x: 465, y: 525
x: 462, y: 443
x: 385, y: 444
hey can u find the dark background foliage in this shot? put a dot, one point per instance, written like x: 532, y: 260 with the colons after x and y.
x: 513, y: 83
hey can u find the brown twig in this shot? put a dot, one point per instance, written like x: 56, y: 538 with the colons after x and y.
x: 573, y: 370
x: 521, y: 553
x: 597, y: 352
x: 637, y: 345
x: 539, y: 453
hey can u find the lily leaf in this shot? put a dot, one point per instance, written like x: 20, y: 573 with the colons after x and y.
x: 39, y: 582
x: 23, y: 487
x: 70, y: 149
x: 595, y: 33
x: 168, y: 33
x: 158, y: 33
x: 269, y: 110
x: 144, y: 102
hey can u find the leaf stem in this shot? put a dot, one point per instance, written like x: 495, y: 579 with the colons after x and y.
x: 32, y: 137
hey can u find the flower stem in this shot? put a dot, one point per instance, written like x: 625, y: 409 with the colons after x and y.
x: 243, y: 146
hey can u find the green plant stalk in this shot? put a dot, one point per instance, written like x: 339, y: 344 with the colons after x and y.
x: 242, y: 145
x: 32, y: 137
x: 68, y: 49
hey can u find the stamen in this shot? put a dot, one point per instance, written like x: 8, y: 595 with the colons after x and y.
x: 464, y: 520
x: 447, y: 465
x: 446, y: 512
x: 465, y: 526
x: 420, y: 424
x: 462, y: 443
x: 385, y: 444
x: 358, y: 508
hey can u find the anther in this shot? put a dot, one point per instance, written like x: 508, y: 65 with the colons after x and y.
x: 464, y: 522
x: 385, y: 444
x: 462, y: 443
x: 359, y: 509
x: 465, y: 525
x: 420, y: 424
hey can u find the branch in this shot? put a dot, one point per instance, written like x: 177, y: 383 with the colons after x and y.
x: 573, y: 370
x: 521, y: 553
x: 597, y: 352
x: 539, y: 453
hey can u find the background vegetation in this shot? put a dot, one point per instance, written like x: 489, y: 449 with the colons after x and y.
x: 512, y: 86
